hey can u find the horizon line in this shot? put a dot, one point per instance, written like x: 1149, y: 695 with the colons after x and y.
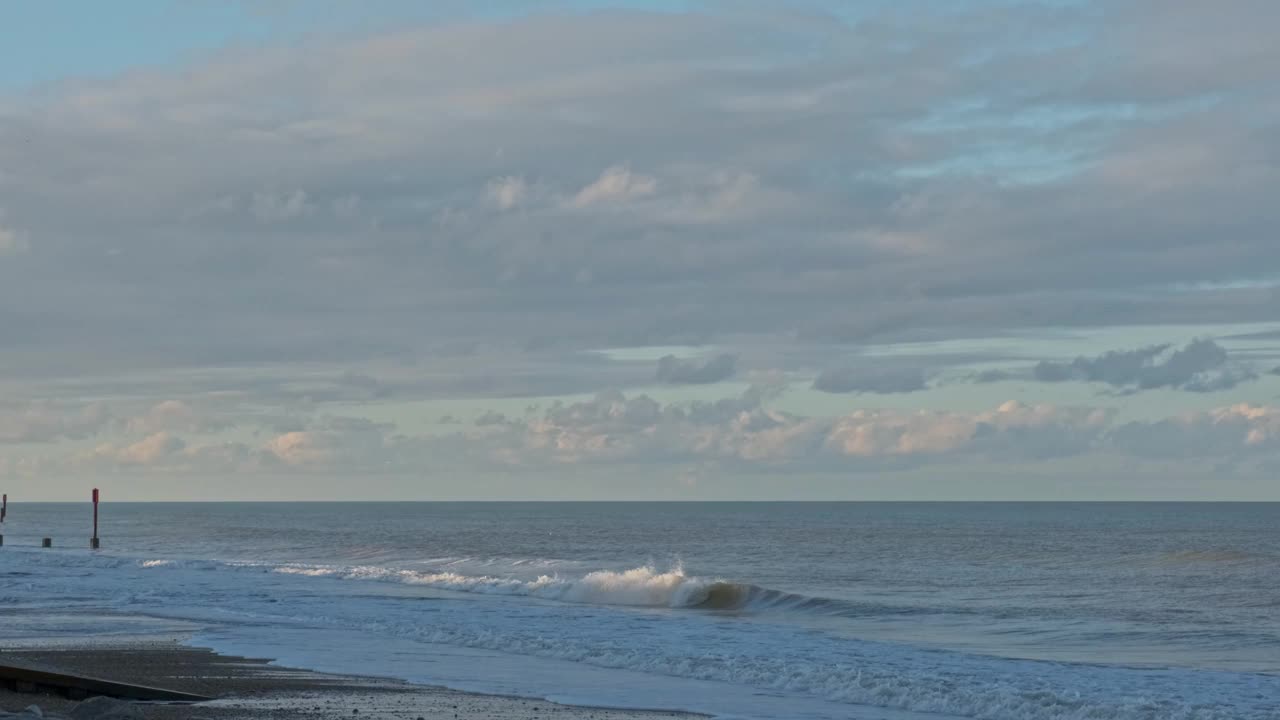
x: 665, y: 501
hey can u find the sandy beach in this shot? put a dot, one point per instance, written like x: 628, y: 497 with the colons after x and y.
x: 252, y: 688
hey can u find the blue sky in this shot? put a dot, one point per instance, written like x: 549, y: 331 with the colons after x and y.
x: 58, y: 41
x: 640, y: 250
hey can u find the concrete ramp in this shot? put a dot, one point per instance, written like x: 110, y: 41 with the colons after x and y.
x: 30, y: 677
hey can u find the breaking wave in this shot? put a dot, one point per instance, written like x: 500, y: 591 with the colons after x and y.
x: 645, y: 586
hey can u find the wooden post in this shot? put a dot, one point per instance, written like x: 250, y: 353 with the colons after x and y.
x: 93, y: 541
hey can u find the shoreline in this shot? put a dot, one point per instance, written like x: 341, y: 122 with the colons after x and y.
x: 256, y: 689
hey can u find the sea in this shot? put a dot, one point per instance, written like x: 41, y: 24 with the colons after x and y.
x: 759, y: 611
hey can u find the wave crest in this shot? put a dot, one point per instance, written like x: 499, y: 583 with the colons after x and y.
x: 644, y: 586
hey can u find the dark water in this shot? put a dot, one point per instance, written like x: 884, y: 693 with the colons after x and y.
x: 998, y: 610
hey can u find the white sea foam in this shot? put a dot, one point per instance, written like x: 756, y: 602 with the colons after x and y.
x: 644, y: 586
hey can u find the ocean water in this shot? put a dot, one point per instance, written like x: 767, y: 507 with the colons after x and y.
x: 1000, y: 611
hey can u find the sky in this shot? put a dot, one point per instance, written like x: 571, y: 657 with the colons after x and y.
x: 661, y: 250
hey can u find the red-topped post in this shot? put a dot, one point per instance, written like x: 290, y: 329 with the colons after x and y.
x: 93, y: 542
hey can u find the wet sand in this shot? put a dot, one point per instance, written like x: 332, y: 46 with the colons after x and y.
x: 252, y: 689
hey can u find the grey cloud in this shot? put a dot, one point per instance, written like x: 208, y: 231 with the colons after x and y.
x: 270, y: 206
x: 1118, y: 367
x: 876, y: 380
x: 47, y: 421
x: 463, y: 210
x: 993, y: 376
x: 367, y: 385
x: 177, y: 416
x: 490, y: 418
x: 1202, y: 366
x: 361, y: 198
x: 692, y: 372
x: 1222, y: 432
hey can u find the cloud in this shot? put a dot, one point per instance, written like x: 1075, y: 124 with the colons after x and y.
x: 321, y: 444
x: 692, y: 372
x: 12, y: 241
x: 740, y: 433
x: 1012, y: 429
x: 490, y: 417
x: 993, y: 376
x: 174, y: 416
x: 365, y: 385
x: 151, y: 450
x: 1231, y: 432
x: 508, y: 192
x: 231, y: 247
x: 614, y: 428
x: 281, y: 206
x: 53, y: 421
x: 159, y: 452
x: 875, y: 380
x: 301, y: 448
x: 334, y: 442
x: 47, y: 421
x: 1202, y: 366
x: 369, y: 182
x: 616, y: 184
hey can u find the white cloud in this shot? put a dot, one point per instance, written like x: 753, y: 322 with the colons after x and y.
x: 154, y: 449
x: 507, y: 192
x: 301, y: 448
x: 334, y: 442
x: 1012, y: 429
x: 616, y: 184
x: 12, y: 241
x: 614, y: 428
